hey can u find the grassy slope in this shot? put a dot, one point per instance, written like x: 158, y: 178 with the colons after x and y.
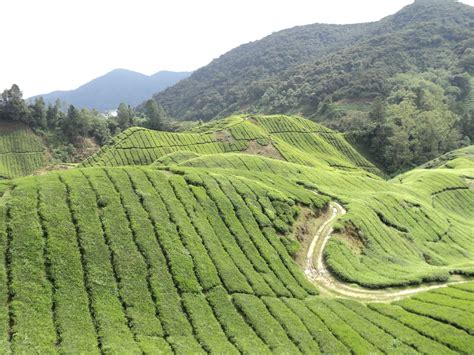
x: 21, y: 152
x: 463, y: 157
x: 410, y: 225
x: 188, y: 262
x: 413, y: 231
x: 285, y: 137
x: 191, y: 254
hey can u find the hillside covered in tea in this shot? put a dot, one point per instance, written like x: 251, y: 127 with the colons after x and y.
x: 292, y: 139
x: 21, y: 151
x: 193, y: 243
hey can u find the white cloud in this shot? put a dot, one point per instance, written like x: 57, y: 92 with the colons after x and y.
x: 56, y: 44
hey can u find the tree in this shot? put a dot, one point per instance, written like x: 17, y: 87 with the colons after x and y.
x: 124, y: 116
x: 71, y: 125
x: 401, y: 120
x: 38, y: 113
x: 70, y: 121
x: 434, y: 134
x: 155, y: 115
x: 467, y: 125
x: 467, y: 61
x: 99, y: 128
x: 463, y: 83
x: 420, y: 123
x: 377, y: 111
x: 12, y: 105
x: 54, y: 114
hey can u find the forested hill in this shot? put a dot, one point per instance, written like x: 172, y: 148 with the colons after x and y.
x: 294, y: 70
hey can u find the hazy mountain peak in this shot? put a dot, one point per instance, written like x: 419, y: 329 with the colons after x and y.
x: 119, y: 85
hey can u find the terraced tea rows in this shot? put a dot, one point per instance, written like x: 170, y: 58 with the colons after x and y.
x: 289, y: 138
x: 21, y: 152
x: 133, y: 260
x: 459, y: 158
x: 193, y: 253
x: 420, y: 230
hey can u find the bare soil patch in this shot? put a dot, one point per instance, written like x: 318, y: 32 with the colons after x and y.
x: 268, y: 150
x: 305, y: 228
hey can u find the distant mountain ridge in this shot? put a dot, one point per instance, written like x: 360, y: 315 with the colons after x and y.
x: 120, y: 85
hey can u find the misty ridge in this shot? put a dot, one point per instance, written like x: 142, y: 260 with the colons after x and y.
x: 105, y: 93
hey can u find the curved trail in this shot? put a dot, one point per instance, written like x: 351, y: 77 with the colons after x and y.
x: 317, y: 272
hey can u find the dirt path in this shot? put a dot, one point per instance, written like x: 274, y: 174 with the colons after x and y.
x: 317, y: 272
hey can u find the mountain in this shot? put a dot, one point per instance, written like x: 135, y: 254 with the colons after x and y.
x: 294, y: 70
x: 252, y: 234
x: 119, y: 85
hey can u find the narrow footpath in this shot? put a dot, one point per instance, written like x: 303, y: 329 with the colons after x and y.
x: 317, y: 272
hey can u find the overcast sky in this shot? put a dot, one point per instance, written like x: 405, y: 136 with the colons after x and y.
x: 60, y: 44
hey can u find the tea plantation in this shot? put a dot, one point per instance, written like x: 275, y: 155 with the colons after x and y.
x: 184, y: 242
x: 21, y: 151
x: 289, y: 138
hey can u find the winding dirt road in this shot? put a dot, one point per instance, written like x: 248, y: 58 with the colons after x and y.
x: 317, y: 272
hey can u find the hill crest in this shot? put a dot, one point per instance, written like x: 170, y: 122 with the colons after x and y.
x: 289, y: 138
x: 293, y: 70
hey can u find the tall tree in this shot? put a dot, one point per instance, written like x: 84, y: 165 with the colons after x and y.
x: 401, y: 120
x: 12, y: 105
x: 72, y: 123
x: 38, y: 113
x: 53, y: 114
x: 155, y: 115
x: 124, y: 116
x: 420, y: 123
x: 467, y: 61
x: 467, y: 125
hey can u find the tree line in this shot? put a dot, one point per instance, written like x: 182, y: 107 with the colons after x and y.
x: 66, y: 126
x: 423, y: 116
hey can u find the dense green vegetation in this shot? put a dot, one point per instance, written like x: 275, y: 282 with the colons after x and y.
x: 191, y: 242
x: 71, y: 124
x: 72, y: 134
x: 417, y: 122
x: 400, y: 89
x: 295, y: 69
x: 21, y: 152
x: 145, y: 249
x: 293, y: 139
x: 193, y: 253
x: 417, y: 226
x: 195, y: 259
x: 65, y: 131
x: 384, y: 83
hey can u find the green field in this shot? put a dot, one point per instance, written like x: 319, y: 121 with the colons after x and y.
x: 21, y: 152
x: 289, y: 138
x: 183, y: 243
x: 409, y: 232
